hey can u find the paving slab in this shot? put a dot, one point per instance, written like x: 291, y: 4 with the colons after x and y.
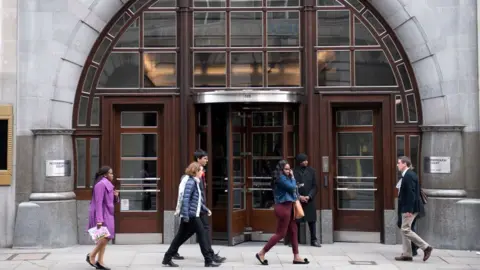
x: 345, y: 256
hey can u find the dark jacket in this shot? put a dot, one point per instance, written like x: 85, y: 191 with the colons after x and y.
x: 409, y: 196
x: 192, y: 203
x: 285, y: 189
x: 307, y: 186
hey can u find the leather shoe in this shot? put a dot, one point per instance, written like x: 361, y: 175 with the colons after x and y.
x: 404, y: 259
x: 99, y: 266
x: 212, y: 264
x: 169, y: 263
x: 178, y: 257
x: 218, y: 259
x: 315, y: 244
x: 426, y: 253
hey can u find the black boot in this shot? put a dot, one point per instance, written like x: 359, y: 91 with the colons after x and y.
x: 178, y: 257
x: 169, y: 263
x: 218, y: 259
x: 211, y: 264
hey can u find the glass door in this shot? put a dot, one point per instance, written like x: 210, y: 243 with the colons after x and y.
x: 138, y: 170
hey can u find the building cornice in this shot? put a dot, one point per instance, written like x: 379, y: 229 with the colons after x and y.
x: 52, y: 131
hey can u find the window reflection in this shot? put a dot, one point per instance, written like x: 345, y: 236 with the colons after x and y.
x: 209, y: 29
x: 121, y: 70
x: 160, y: 69
x: 362, y: 35
x: 415, y: 152
x: 210, y: 70
x: 283, y: 3
x: 333, y: 28
x: 283, y: 28
x: 246, y: 29
x: 355, y: 144
x: 160, y: 29
x: 333, y: 68
x: 245, y: 3
x: 373, y: 69
x: 399, y: 109
x: 283, y: 69
x: 209, y: 3
x: 247, y: 69
x: 131, y: 36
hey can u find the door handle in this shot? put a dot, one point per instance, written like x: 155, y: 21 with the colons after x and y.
x: 356, y: 189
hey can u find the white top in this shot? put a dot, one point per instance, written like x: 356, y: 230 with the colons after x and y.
x: 399, y: 183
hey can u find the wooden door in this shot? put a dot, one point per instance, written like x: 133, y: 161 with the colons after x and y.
x: 138, y: 140
x: 358, y: 174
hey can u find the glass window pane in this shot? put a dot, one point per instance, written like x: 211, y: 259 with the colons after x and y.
x: 356, y: 4
x: 245, y: 3
x: 88, y: 81
x: 102, y: 49
x: 283, y: 69
x: 165, y: 3
x: 262, y: 195
x: 363, y: 36
x: 138, y: 119
x: 95, y: 114
x: 81, y: 156
x: 354, y: 118
x: 202, y: 140
x: 121, y: 70
x: 139, y: 145
x: 283, y: 3
x: 210, y: 70
x: 238, y: 198
x: 392, y: 48
x: 131, y: 37
x: 139, y: 201
x: 407, y: 84
x: 138, y: 168
x: 333, y: 68
x: 82, y: 111
x: 267, y: 144
x: 160, y: 29
x: 138, y: 5
x: 4, y: 132
x: 160, y: 69
x: 354, y: 144
x: 355, y: 167
x: 119, y: 24
x: 355, y: 199
x: 399, y: 109
x: 209, y: 29
x: 238, y: 171
x: 328, y: 3
x: 333, y: 28
x: 94, y: 158
x: 247, y: 69
x: 400, y: 146
x: 412, y: 108
x: 415, y: 152
x: 283, y: 28
x: 267, y: 119
x: 374, y: 22
x: 246, y: 29
x: 209, y: 3
x: 373, y: 69
x: 237, y: 142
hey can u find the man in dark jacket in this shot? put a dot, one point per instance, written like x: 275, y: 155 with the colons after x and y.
x: 201, y: 157
x: 307, y: 189
x: 409, y: 207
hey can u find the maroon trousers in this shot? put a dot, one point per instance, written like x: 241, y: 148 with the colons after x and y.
x: 285, y: 224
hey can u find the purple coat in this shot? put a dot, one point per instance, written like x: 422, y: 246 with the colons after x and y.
x: 102, y: 206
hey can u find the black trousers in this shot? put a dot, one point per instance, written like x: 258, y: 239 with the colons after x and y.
x: 206, y: 227
x: 313, y: 232
x: 186, y: 230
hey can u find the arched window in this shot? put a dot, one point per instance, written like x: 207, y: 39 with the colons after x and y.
x: 244, y: 44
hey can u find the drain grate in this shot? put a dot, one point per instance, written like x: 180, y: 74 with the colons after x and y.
x: 362, y: 262
x: 28, y: 256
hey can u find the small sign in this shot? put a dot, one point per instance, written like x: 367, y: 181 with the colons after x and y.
x: 437, y: 165
x: 124, y: 205
x: 58, y: 168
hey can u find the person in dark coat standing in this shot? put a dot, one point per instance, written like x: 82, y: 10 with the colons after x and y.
x: 307, y: 188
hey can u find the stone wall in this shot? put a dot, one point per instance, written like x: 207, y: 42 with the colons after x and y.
x: 8, y: 95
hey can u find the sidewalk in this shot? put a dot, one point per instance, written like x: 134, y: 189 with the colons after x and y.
x: 336, y: 256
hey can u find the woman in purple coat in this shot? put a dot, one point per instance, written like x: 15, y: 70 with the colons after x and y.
x: 102, y: 207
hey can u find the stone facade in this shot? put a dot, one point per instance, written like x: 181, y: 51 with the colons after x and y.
x: 44, y: 45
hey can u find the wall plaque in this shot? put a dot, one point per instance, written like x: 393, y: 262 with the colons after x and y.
x: 437, y: 165
x: 58, y: 168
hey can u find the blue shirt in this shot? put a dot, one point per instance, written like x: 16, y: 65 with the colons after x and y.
x: 285, y: 189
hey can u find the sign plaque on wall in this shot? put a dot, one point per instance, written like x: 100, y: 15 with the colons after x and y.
x: 437, y: 165
x: 58, y: 168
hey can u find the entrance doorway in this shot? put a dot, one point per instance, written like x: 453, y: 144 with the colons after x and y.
x: 245, y: 143
x: 358, y: 185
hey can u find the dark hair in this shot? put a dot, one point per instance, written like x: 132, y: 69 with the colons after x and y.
x: 405, y: 160
x: 198, y: 154
x: 277, y: 172
x: 100, y: 174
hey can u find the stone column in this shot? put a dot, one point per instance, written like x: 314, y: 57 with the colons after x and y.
x: 49, y: 220
x: 445, y: 220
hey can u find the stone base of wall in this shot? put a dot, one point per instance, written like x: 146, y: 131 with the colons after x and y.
x: 326, y: 221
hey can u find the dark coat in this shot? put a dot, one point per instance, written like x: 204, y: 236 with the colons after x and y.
x: 192, y: 199
x: 307, y: 186
x: 409, y: 200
